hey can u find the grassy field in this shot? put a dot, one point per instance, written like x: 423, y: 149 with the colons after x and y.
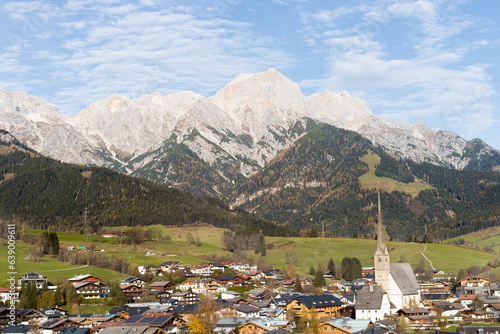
x: 307, y: 252
x: 50, y: 267
x: 489, y: 237
x: 369, y: 180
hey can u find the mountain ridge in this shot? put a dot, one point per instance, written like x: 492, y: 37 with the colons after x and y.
x: 243, y: 126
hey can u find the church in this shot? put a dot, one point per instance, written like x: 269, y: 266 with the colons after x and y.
x: 395, y: 284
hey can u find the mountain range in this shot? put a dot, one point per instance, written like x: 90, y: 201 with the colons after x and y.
x: 229, y: 136
x: 258, y: 145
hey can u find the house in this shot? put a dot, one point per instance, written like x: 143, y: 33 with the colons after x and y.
x: 343, y: 325
x: 56, y: 325
x: 417, y: 316
x: 230, y: 295
x: 18, y: 329
x: 88, y: 290
x: 161, y: 286
x: 84, y: 278
x: 231, y: 280
x: 31, y: 277
x: 186, y: 297
x: 201, y: 270
x: 372, y: 302
x: 474, y: 286
x: 132, y: 280
x: 132, y: 291
x: 435, y: 287
x: 246, y: 311
x: 494, y: 309
x: 201, y: 285
x: 150, y: 252
x: 444, y: 308
x: 8, y: 294
x: 325, y: 305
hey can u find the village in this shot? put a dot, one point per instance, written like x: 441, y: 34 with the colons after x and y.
x: 270, y: 305
x: 237, y: 297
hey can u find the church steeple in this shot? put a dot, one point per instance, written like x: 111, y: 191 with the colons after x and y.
x: 380, y: 229
x: 381, y: 257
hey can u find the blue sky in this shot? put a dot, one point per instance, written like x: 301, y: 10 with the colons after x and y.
x: 410, y: 60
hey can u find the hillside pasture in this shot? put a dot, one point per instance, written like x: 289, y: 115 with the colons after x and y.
x: 370, y: 181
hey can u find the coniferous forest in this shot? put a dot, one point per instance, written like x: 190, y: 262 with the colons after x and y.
x: 314, y: 185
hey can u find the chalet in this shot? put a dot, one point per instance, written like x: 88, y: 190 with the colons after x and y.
x: 231, y: 280
x: 325, y: 305
x: 150, y: 252
x: 417, y: 316
x: 84, y: 278
x: 171, y: 266
x: 474, y: 286
x: 56, y: 325
x: 444, y: 308
x: 88, y: 290
x: 132, y: 280
x: 162, y: 296
x: 186, y: 297
x: 428, y: 298
x: 201, y: 285
x: 201, y: 270
x: 341, y: 286
x: 161, y: 286
x: 343, y: 325
x: 127, y: 312
x: 151, y: 269
x: 480, y: 315
x: 254, y: 326
x: 132, y: 291
x: 216, y: 266
x: 243, y: 267
x: 246, y: 311
x: 435, y: 287
x: 494, y: 309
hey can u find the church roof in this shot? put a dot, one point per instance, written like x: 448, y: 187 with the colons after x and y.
x: 405, y: 278
x: 370, y: 298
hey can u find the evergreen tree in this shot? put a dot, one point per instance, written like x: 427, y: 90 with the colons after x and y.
x: 319, y: 279
x: 312, y: 271
x: 297, y: 286
x: 58, y: 296
x: 351, y: 269
x: 331, y: 266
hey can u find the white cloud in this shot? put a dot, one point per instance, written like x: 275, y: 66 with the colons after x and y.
x: 426, y: 79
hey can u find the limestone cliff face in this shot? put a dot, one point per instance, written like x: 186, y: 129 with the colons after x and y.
x: 244, y: 125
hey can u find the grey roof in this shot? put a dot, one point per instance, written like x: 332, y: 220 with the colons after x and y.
x: 352, y: 325
x: 123, y: 330
x: 247, y: 308
x: 370, y: 298
x: 16, y: 329
x: 405, y: 278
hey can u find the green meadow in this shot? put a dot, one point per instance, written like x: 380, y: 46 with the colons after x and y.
x: 304, y: 252
x: 369, y: 180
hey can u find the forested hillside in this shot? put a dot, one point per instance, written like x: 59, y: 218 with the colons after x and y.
x: 52, y: 195
x: 315, y: 185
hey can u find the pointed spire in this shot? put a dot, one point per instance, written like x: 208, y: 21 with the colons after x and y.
x: 380, y: 230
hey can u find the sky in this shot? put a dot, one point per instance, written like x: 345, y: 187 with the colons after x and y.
x: 409, y: 60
